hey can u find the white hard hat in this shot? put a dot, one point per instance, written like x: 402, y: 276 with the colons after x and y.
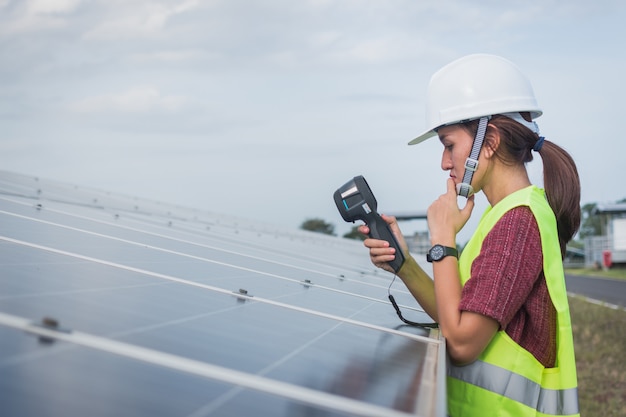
x: 474, y: 86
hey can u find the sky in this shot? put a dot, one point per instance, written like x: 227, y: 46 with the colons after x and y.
x: 262, y: 109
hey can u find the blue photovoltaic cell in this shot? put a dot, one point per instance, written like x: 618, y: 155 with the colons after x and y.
x: 113, y: 305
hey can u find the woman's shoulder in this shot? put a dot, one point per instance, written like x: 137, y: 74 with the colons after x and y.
x: 516, y: 217
x: 516, y: 230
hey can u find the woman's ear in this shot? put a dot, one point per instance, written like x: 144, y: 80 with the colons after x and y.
x: 492, y: 140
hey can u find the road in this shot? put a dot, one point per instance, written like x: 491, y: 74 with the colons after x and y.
x: 612, y: 291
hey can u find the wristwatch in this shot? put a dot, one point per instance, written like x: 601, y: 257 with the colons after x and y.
x: 438, y: 252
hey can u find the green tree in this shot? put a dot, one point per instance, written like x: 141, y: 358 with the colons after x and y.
x: 319, y: 226
x: 354, y: 234
x: 591, y: 224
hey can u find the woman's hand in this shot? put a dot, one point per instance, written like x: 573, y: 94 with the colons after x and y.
x: 381, y: 253
x: 418, y: 282
x: 445, y: 219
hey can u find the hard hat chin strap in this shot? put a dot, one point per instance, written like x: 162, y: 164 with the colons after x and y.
x: 471, y: 163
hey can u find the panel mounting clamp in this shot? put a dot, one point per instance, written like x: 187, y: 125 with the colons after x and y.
x: 49, y: 323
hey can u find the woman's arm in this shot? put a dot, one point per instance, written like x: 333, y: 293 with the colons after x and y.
x: 417, y: 281
x: 467, y: 333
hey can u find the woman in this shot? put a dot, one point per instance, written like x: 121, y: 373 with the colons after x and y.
x: 502, y: 306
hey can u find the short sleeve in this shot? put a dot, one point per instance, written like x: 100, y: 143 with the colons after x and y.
x: 505, y: 271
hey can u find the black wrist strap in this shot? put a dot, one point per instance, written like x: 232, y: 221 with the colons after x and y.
x: 412, y: 323
x: 409, y: 322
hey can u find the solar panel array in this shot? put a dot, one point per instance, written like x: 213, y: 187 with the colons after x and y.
x: 114, y: 305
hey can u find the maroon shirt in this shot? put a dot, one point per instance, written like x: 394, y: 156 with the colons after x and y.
x: 507, y: 284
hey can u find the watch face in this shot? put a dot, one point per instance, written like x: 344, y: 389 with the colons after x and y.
x: 436, y: 252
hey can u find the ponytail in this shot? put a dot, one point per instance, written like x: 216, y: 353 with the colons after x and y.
x: 562, y: 185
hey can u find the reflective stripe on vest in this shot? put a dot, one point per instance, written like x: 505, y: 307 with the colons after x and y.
x: 517, y: 388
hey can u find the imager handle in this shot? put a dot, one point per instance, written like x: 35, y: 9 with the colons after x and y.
x: 379, y: 229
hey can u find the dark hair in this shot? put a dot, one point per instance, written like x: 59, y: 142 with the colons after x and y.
x: 560, y: 176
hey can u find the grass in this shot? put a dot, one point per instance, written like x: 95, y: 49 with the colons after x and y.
x: 619, y: 273
x: 600, y: 344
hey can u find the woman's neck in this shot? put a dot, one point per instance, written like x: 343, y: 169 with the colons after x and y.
x: 505, y: 180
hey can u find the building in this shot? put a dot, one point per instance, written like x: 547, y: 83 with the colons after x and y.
x: 609, y: 248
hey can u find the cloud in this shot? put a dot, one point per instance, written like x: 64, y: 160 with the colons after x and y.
x: 139, y: 99
x: 35, y: 15
x: 51, y: 6
x: 139, y: 19
x: 324, y: 39
x: 173, y: 56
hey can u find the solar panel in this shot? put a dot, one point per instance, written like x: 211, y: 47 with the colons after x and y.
x: 115, y: 305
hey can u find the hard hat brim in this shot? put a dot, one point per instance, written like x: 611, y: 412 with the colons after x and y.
x: 534, y: 113
x: 421, y: 138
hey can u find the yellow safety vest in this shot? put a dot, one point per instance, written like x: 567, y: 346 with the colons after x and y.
x: 507, y: 380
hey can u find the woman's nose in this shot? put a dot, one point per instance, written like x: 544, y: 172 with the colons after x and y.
x: 446, y: 162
